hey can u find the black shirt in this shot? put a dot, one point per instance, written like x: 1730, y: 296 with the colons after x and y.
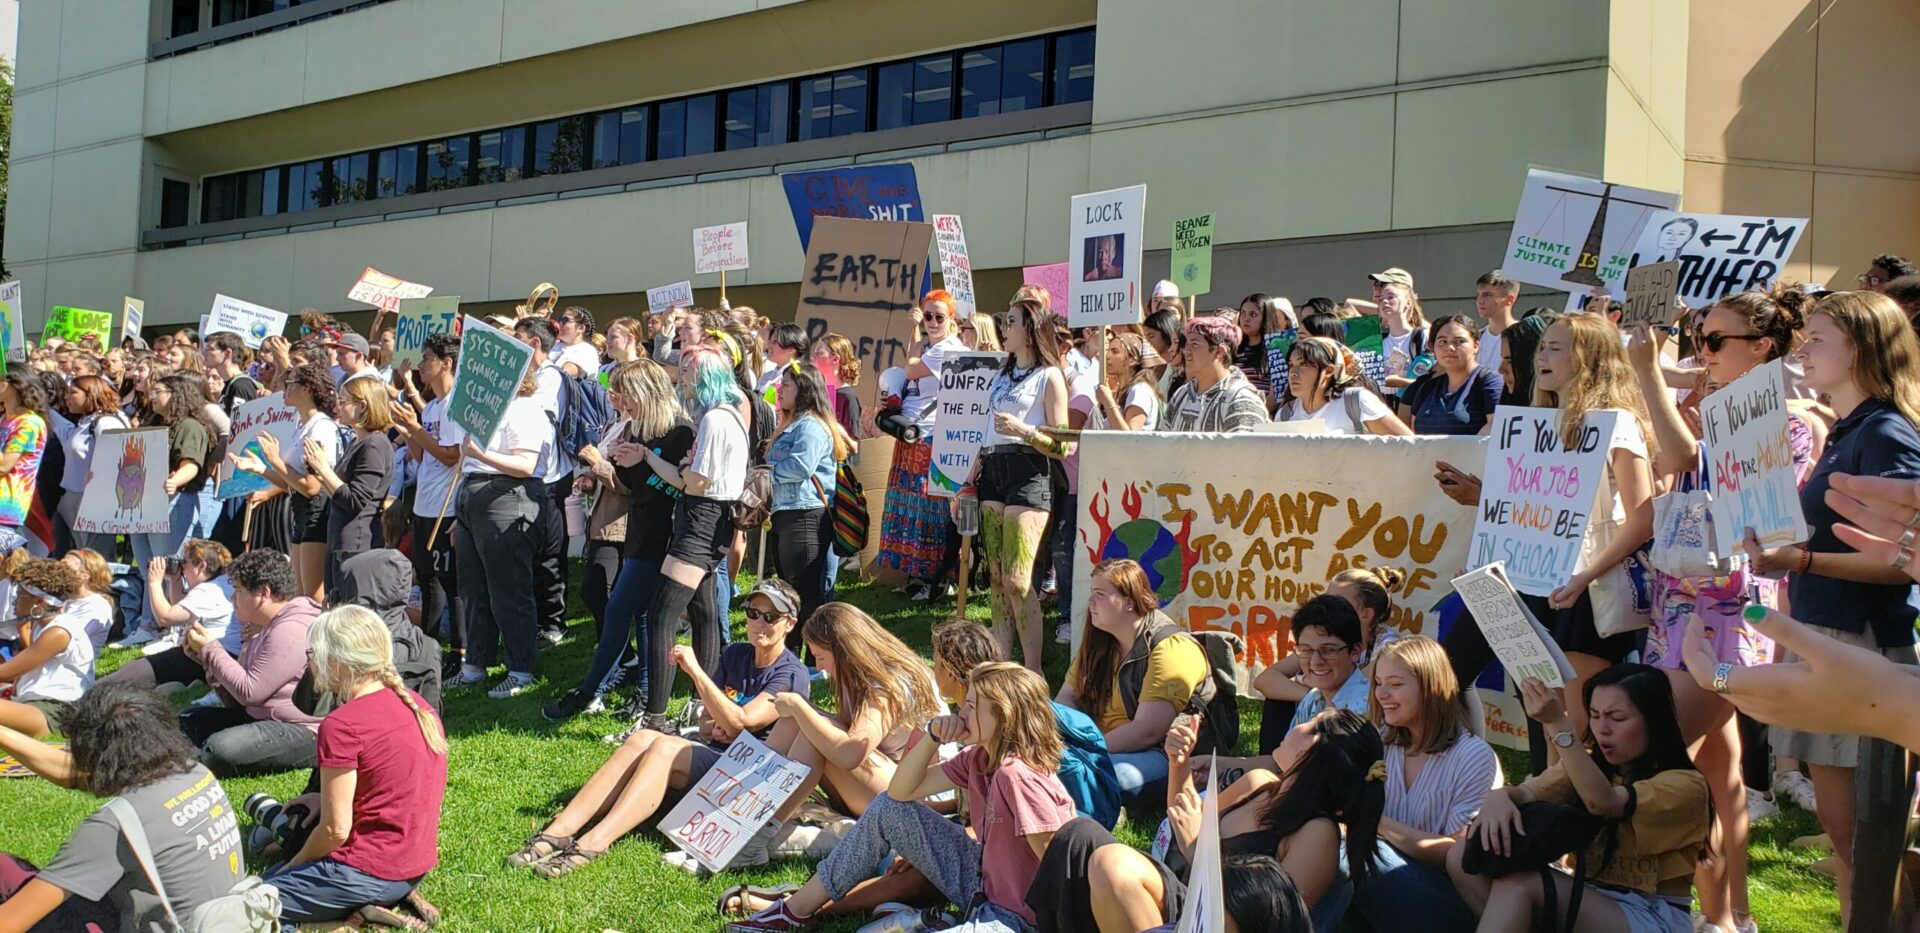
x: 1436, y: 410
x: 365, y: 472
x: 650, y: 515
x: 1872, y: 440
x: 238, y: 391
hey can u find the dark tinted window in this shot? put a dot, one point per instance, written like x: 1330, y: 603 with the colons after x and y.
x: 398, y: 171
x: 835, y: 105
x: 273, y: 191
x: 174, y: 195
x: 1073, y: 68
x: 350, y: 178
x: 756, y: 116
x: 1023, y: 75
x: 185, y: 19
x: 306, y: 186
x: 559, y: 146
x: 980, y: 81
x: 448, y: 162
x: 620, y: 137
x: 502, y: 156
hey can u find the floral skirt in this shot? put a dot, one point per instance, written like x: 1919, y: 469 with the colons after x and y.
x: 913, y: 530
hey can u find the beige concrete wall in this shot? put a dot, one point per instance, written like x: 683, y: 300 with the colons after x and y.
x: 1800, y: 107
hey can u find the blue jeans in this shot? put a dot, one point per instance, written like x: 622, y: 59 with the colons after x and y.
x: 723, y: 599
x: 183, y: 511
x: 1143, y: 775
x: 208, y: 512
x: 1404, y: 895
x: 625, y: 623
x: 330, y: 890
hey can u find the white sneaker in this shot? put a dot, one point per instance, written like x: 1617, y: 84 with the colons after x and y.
x: 1063, y: 633
x: 1758, y: 806
x: 686, y: 863
x: 210, y: 698
x: 167, y: 642
x: 1796, y: 787
x: 136, y: 639
x: 511, y: 686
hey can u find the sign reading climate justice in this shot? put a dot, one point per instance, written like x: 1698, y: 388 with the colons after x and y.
x: 1574, y: 233
x: 1536, y: 494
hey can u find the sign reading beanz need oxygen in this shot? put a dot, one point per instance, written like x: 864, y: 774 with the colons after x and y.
x: 1536, y: 494
x: 492, y: 363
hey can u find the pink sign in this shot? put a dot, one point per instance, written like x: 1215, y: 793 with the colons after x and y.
x: 1052, y: 277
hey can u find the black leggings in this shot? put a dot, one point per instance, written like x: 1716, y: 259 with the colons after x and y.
x: 671, y: 599
x: 801, y: 538
x: 433, y: 569
x: 602, y: 565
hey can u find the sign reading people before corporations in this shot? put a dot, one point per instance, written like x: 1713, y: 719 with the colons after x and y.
x: 1750, y: 460
x: 721, y: 248
x: 1574, y: 233
x: 1650, y: 291
x: 14, y: 334
x: 385, y: 291
x: 860, y: 281
x: 254, y: 323
x: 492, y: 363
x: 133, y: 312
x: 71, y: 324
x: 126, y: 491
x: 720, y: 813
x: 1719, y: 254
x: 1192, y: 256
x: 1104, y: 246
x: 956, y: 271
x: 1536, y: 494
x: 963, y: 419
x: 420, y: 318
x: 262, y: 416
x: 1514, y: 635
x: 668, y: 297
x: 1226, y: 546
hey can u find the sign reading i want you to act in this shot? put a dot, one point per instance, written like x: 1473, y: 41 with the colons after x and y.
x: 860, y: 281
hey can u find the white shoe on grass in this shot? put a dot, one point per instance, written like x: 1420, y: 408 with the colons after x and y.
x: 511, y: 686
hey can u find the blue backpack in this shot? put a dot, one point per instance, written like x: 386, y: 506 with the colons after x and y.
x: 585, y: 412
x: 1086, y: 769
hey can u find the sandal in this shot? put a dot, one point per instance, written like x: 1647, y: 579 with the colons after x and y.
x: 740, y: 892
x: 528, y: 856
x: 422, y: 908
x: 566, y: 861
x: 373, y: 915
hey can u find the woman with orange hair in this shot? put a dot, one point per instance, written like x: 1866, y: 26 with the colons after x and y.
x: 916, y: 534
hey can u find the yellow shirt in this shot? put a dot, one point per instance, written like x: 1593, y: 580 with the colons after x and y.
x: 1661, y: 841
x: 1174, y: 671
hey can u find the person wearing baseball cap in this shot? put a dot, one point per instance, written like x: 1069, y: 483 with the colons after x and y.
x: 1390, y: 276
x: 351, y: 358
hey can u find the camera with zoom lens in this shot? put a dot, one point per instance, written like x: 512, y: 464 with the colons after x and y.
x: 274, y: 822
x: 890, y: 418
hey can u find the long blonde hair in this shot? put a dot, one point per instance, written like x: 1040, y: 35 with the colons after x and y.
x: 1442, y: 717
x: 1886, y: 356
x: 871, y: 665
x: 651, y: 386
x: 1020, y: 705
x: 354, y: 642
x: 1600, y: 378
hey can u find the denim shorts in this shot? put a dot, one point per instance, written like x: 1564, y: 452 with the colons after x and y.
x: 1016, y: 478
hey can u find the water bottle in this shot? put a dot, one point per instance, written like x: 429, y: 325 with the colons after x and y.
x: 966, y: 514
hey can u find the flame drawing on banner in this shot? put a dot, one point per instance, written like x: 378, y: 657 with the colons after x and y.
x: 130, y: 487
x: 1167, y: 555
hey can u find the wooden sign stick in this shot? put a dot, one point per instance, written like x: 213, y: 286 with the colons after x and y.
x: 434, y: 535
x: 246, y: 526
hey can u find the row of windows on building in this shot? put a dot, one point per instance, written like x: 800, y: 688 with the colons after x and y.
x: 955, y: 85
x: 184, y: 17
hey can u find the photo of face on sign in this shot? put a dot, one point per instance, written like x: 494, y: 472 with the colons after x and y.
x: 1103, y: 257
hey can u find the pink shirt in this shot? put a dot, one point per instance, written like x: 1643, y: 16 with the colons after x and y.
x: 399, y: 784
x: 1079, y: 399
x: 1006, y: 805
x: 272, y: 661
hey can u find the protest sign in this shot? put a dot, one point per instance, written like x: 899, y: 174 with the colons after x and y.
x: 1536, y: 495
x: 252, y: 322
x: 717, y: 817
x: 956, y: 272
x: 13, y: 335
x: 1573, y: 233
x: 1235, y: 531
x: 1104, y: 245
x: 721, y: 248
x: 262, y: 416
x: 492, y: 363
x: 420, y: 318
x: 1514, y: 635
x: 860, y: 281
x: 71, y: 324
x: 1750, y: 460
x: 1192, y: 257
x: 1206, y: 906
x: 1052, y: 277
x: 132, y: 313
x: 1650, y: 291
x: 963, y: 419
x: 384, y: 291
x: 1719, y: 254
x: 865, y: 192
x: 126, y: 491
x: 668, y: 297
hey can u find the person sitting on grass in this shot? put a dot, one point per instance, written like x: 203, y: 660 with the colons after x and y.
x: 55, y: 666
x: 94, y: 598
x: 196, y: 593
x: 1016, y: 805
x: 630, y: 788
x: 257, y: 727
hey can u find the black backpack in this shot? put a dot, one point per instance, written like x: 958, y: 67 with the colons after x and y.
x: 1217, y: 697
x: 585, y: 412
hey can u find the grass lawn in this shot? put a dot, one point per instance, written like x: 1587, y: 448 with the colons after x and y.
x: 511, y: 770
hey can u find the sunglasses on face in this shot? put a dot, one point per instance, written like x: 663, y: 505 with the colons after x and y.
x: 1715, y: 342
x: 756, y: 615
x: 937, y: 318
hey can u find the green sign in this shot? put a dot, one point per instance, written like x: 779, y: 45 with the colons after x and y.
x: 492, y: 363
x: 70, y: 324
x: 1193, y: 254
x: 1363, y: 334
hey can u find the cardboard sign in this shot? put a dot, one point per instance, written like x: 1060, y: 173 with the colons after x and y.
x: 1750, y: 460
x: 717, y: 817
x: 860, y: 281
x: 1192, y: 255
x: 71, y: 324
x: 420, y: 318
x: 126, y: 489
x: 1236, y: 530
x: 384, y: 291
x: 1719, y: 254
x: 956, y: 272
x: 721, y: 248
x: 1206, y: 906
x: 1536, y: 495
x: 262, y: 416
x: 1650, y: 291
x: 1514, y: 635
x: 668, y: 297
x: 254, y: 323
x: 492, y: 363
x: 1104, y: 247
x: 1052, y: 277
x: 963, y: 419
x: 13, y: 335
x: 133, y: 312
x: 1573, y: 233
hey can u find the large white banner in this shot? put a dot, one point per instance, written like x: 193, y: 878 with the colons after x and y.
x: 1573, y: 233
x: 1104, y: 247
x: 1234, y: 531
x: 1719, y: 254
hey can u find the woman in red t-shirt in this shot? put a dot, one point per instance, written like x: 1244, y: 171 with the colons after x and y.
x: 383, y: 773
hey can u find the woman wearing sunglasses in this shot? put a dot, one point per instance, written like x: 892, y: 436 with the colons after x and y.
x: 915, y: 531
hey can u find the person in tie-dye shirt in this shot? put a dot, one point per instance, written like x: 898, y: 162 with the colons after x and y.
x: 23, y: 438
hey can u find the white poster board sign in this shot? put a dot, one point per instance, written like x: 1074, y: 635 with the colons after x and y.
x: 1750, y: 460
x: 1719, y: 254
x: 1536, y: 495
x: 133, y: 313
x: 254, y: 323
x: 14, y: 333
x: 716, y: 818
x: 963, y: 420
x: 1573, y: 233
x: 1206, y: 907
x: 385, y: 291
x: 420, y: 318
x: 1514, y: 635
x: 721, y: 248
x: 262, y: 416
x: 126, y: 491
x: 956, y: 271
x: 668, y: 297
x: 1104, y: 248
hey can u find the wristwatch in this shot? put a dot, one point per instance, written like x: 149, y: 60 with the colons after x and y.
x: 1563, y: 739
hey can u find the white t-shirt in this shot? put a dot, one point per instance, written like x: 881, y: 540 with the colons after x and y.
x: 1489, y: 358
x: 919, y: 404
x: 1334, y: 413
x: 1140, y: 395
x: 66, y: 675
x: 525, y: 428
x: 583, y: 354
x: 212, y: 605
x: 720, y: 454
x: 553, y: 466
x: 98, y: 613
x: 434, y: 477
x: 320, y: 428
x: 1395, y: 350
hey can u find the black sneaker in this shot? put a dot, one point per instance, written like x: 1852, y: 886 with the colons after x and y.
x: 450, y: 666
x: 571, y: 704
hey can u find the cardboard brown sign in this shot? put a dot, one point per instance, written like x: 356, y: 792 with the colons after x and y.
x: 859, y: 281
x: 1650, y: 292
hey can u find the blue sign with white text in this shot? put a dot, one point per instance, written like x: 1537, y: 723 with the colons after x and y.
x: 866, y: 192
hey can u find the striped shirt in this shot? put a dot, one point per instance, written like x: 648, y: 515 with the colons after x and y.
x: 1232, y: 406
x: 1447, y: 794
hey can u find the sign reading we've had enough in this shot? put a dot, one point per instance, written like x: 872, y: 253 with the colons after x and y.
x: 963, y: 419
x: 717, y: 817
x: 1536, y: 494
x: 1750, y: 460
